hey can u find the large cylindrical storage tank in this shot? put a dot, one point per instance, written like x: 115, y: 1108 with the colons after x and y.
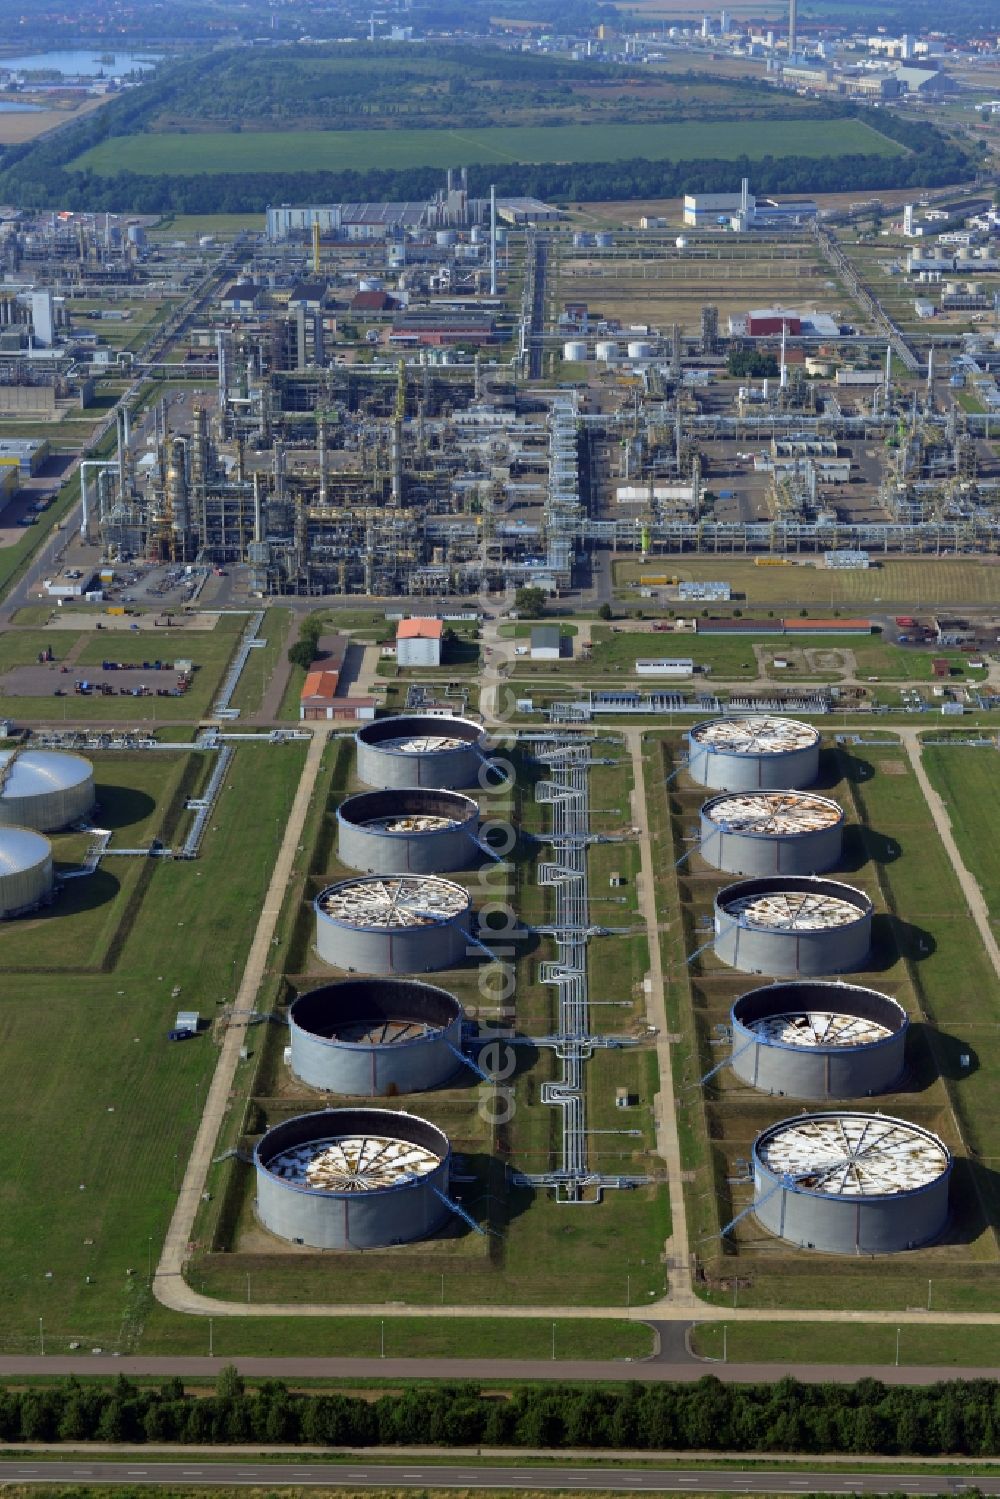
x: 44, y: 789
x: 421, y: 750
x: 368, y: 1038
x: 575, y: 351
x: 820, y: 1041
x: 353, y: 1178
x: 771, y: 832
x: 25, y: 871
x: 792, y: 925
x: 641, y: 349
x: 753, y: 753
x: 416, y: 830
x: 393, y: 924
x: 606, y: 351
x: 851, y: 1183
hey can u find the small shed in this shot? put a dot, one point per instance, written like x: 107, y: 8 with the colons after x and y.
x: 188, y: 1020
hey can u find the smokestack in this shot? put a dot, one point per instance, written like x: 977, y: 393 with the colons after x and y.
x: 793, y: 7
x: 321, y: 444
x: 493, y: 240
x: 888, y: 372
x: 784, y: 364
x: 258, y: 525
x: 930, y: 374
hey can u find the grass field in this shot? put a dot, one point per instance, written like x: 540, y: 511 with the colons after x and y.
x: 787, y: 1343
x: 904, y: 583
x: 967, y: 780
x: 98, y: 1110
x: 339, y: 150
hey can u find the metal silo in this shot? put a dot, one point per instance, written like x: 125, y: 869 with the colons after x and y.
x: 44, y: 789
x: 851, y: 1183
x: 820, y: 1041
x: 366, y: 1038
x: 753, y: 753
x: 771, y: 832
x: 359, y: 1178
x: 25, y: 871
x: 421, y: 750
x: 792, y: 925
x: 393, y: 924
x: 419, y: 831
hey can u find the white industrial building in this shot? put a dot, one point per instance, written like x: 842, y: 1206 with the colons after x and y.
x: 546, y: 643
x: 418, y: 642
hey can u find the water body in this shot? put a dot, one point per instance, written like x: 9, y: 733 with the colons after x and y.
x: 82, y: 63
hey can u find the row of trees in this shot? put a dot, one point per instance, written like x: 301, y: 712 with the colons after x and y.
x: 868, y: 1417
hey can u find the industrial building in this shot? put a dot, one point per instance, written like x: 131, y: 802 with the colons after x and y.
x: 25, y: 871
x: 818, y: 1041
x: 360, y: 1178
x: 418, y: 642
x: 753, y: 753
x: 394, y: 924
x: 421, y: 750
x: 373, y: 1038
x: 44, y: 789
x: 771, y: 832
x: 415, y: 830
x: 793, y: 925
x: 849, y: 1183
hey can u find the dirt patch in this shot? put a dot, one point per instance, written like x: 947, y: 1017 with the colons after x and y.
x: 893, y: 767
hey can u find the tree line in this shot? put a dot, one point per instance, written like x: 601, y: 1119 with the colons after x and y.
x: 958, y: 1417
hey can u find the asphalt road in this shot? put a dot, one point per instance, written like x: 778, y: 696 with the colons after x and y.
x: 421, y: 1476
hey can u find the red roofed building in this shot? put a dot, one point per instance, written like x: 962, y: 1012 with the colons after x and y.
x: 319, y: 699
x: 418, y: 642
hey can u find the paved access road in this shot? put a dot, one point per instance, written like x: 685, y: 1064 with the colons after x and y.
x: 401, y: 1477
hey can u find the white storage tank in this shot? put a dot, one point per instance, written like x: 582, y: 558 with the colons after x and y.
x: 44, y: 789
x: 575, y: 351
x: 25, y: 871
x: 446, y: 237
x: 606, y: 351
x: 641, y: 349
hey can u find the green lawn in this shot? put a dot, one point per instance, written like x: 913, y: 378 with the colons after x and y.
x: 967, y: 779
x: 339, y: 150
x: 787, y: 1343
x: 98, y: 1109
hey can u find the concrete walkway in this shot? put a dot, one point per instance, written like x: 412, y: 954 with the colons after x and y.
x: 680, y: 1292
x: 169, y: 1285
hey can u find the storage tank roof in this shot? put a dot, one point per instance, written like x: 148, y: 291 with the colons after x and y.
x: 21, y: 849
x: 853, y: 1155
x: 38, y: 772
x: 353, y: 1163
x: 793, y: 910
x: 774, y: 813
x: 394, y: 901
x: 756, y: 734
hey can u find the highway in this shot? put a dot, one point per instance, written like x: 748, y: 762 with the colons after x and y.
x: 402, y: 1476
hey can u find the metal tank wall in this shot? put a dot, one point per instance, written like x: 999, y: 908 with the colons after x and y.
x: 449, y: 769
x: 850, y: 1225
x: 393, y: 950
x: 352, y: 1220
x: 765, y: 853
x: 46, y: 790
x: 792, y: 953
x: 722, y: 770
x: 25, y: 870
x: 368, y: 1069
x: 818, y: 1073
x: 377, y: 851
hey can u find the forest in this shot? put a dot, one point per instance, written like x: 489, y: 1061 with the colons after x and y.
x: 958, y: 1417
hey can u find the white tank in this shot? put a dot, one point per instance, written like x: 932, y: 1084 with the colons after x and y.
x: 575, y: 350
x: 475, y: 235
x: 681, y: 242
x: 606, y: 351
x: 371, y: 283
x: 446, y: 237
x: 640, y: 349
x: 25, y: 870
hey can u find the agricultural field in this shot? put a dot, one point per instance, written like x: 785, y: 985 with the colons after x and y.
x: 927, y: 954
x: 340, y: 150
x: 903, y: 583
x: 99, y: 1120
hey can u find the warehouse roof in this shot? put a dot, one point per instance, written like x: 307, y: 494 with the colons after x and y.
x: 419, y: 629
x: 320, y: 686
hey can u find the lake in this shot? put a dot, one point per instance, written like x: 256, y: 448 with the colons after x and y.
x: 82, y: 63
